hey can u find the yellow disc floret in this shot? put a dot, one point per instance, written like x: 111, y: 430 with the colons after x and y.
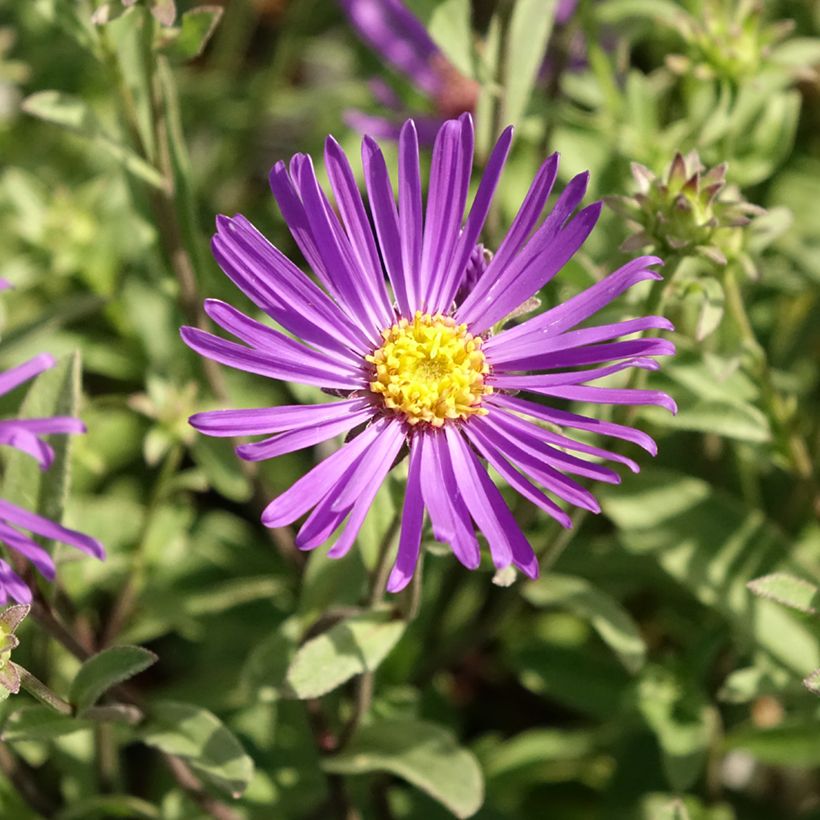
x: 430, y: 370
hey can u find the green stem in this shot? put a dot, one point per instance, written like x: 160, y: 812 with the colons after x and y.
x: 37, y: 689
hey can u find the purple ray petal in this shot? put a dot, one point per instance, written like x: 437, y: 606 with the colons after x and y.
x: 253, y: 361
x: 13, y: 586
x: 48, y: 425
x: 357, y: 225
x: 383, y: 454
x: 452, y: 276
x: 447, y: 195
x: 517, y: 481
x: 26, y: 442
x: 500, y: 401
x: 583, y: 305
x: 278, y: 287
x: 544, y: 341
x: 526, y: 435
x: 266, y: 420
x: 534, y: 383
x: 22, y: 373
x: 507, y: 542
x: 19, y: 517
x: 311, y: 487
x: 269, y: 341
x: 536, y: 468
x: 389, y: 28
x: 564, y: 418
x: 448, y: 513
x: 349, y: 282
x: 299, y: 439
x: 30, y: 550
x: 385, y: 217
x: 412, y: 522
x: 525, y: 220
x: 410, y: 215
x: 592, y: 354
x: 604, y: 395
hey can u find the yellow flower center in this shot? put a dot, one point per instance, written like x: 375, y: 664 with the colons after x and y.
x: 430, y: 369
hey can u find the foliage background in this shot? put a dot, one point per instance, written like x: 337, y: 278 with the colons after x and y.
x: 640, y: 678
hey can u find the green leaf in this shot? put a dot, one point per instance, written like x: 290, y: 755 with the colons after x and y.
x: 682, y: 721
x: 712, y: 544
x: 526, y: 43
x: 107, y: 806
x: 617, y: 11
x: 735, y: 420
x: 199, y: 737
x: 606, y: 616
x: 106, y: 669
x: 534, y: 747
x: 421, y: 753
x: 351, y: 647
x: 744, y: 685
x: 53, y: 393
x: 787, y: 590
x: 792, y: 743
x: 449, y: 24
x: 40, y: 723
x: 75, y: 115
x: 711, y: 309
x: 188, y: 41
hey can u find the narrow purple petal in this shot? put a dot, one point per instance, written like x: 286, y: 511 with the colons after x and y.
x: 389, y: 28
x: 637, y: 351
x: 447, y: 195
x: 311, y: 487
x: 564, y: 418
x: 390, y: 442
x: 253, y: 361
x: 272, y: 342
x: 443, y: 498
x: 412, y: 522
x: 299, y: 439
x: 385, y: 218
x: 266, y: 420
x: 12, y: 585
x: 522, y: 226
x: 30, y: 550
x: 26, y: 442
x: 520, y: 405
x: 279, y: 288
x: 46, y: 426
x: 603, y: 395
x: 411, y: 216
x: 517, y: 481
x: 19, y: 517
x: 544, y: 341
x: 349, y: 283
x: 493, y: 517
x: 568, y: 314
x: 357, y: 225
x: 451, y: 279
x: 526, y: 435
x: 22, y: 373
x: 536, y: 467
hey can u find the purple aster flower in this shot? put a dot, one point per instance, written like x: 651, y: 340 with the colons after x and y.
x: 406, y: 324
x: 392, y: 31
x: 17, y: 525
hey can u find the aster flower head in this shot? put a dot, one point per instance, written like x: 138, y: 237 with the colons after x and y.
x: 17, y: 525
x: 389, y: 327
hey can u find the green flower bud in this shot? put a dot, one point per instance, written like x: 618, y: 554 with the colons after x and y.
x: 688, y: 211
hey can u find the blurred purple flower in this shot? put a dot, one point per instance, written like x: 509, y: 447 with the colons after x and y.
x: 421, y: 364
x: 394, y: 33
x: 25, y: 435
